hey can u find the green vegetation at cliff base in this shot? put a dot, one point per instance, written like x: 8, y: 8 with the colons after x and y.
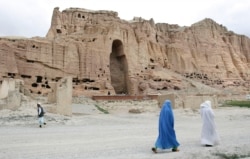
x: 237, y: 103
x: 101, y: 109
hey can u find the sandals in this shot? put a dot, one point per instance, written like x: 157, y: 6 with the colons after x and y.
x: 175, y: 150
x: 154, y: 149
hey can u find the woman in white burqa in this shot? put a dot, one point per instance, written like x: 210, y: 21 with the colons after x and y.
x: 209, y: 135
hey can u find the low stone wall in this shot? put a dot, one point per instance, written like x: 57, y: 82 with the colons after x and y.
x: 125, y: 97
x: 159, y: 98
x: 194, y: 102
x: 162, y: 98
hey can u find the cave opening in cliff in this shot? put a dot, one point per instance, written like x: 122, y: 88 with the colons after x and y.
x: 118, y: 68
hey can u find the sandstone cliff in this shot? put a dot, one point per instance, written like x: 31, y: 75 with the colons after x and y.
x: 107, y: 55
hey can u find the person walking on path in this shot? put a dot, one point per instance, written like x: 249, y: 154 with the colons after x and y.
x: 209, y: 135
x: 41, y: 113
x: 166, y: 137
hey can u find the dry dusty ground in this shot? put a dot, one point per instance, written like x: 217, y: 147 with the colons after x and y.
x: 89, y: 134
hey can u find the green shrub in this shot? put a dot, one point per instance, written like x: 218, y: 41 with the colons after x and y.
x: 101, y: 109
x: 238, y: 103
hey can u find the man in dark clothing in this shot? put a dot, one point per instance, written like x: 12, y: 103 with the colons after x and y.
x: 40, y: 115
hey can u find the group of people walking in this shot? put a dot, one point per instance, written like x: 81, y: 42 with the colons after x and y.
x: 167, y: 137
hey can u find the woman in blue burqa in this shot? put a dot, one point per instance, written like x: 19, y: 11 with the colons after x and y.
x: 166, y: 138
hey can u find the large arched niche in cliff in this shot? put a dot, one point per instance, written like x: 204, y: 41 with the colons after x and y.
x: 118, y: 68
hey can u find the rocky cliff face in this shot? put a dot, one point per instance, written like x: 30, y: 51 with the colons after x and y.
x: 107, y: 55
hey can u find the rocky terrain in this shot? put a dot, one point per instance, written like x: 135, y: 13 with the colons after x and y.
x: 106, y: 55
x: 88, y: 53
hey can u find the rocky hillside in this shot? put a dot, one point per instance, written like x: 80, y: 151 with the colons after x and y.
x: 107, y: 55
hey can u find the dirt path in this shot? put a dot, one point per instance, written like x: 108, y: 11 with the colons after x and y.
x: 123, y: 136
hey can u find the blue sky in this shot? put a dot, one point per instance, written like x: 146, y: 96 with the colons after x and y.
x: 31, y: 18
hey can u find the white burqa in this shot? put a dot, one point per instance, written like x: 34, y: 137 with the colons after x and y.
x: 209, y: 135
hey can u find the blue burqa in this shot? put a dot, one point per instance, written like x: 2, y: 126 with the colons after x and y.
x: 166, y: 138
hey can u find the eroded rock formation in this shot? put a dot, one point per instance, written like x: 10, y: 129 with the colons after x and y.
x: 107, y: 55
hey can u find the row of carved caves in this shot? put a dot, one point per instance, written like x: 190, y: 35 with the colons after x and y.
x: 205, y: 79
x: 43, y: 82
